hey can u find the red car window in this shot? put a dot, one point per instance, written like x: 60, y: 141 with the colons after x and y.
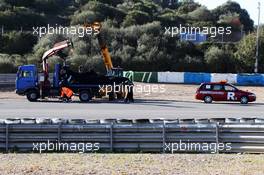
x: 230, y: 88
x: 218, y: 87
x: 207, y: 87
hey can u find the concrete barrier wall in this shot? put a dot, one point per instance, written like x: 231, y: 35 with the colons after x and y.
x: 174, y: 77
x: 231, y: 78
x: 147, y: 77
x: 196, y: 78
x: 170, y: 77
x: 249, y: 79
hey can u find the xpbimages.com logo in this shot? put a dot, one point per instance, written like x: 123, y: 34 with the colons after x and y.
x: 196, y: 147
x: 80, y: 31
x: 211, y: 31
x: 65, y: 147
x: 138, y: 88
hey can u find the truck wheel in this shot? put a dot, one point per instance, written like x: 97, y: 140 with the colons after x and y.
x: 244, y: 100
x: 32, y: 95
x: 208, y: 99
x: 84, y: 96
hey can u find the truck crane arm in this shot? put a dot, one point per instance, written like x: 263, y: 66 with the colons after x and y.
x: 106, y: 55
x: 55, y: 50
x: 104, y: 50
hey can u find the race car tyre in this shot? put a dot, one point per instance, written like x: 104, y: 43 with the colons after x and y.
x: 32, y: 95
x: 84, y: 96
x: 244, y: 100
x: 208, y: 99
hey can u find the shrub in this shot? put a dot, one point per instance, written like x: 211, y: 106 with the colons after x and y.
x: 17, y: 43
x: 220, y: 60
x: 9, y: 63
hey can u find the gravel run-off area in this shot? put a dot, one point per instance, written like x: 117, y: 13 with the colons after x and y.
x: 126, y: 164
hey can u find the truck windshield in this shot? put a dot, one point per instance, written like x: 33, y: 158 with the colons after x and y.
x: 26, y: 74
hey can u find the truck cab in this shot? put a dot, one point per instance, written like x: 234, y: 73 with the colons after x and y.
x: 26, y: 79
x: 31, y: 84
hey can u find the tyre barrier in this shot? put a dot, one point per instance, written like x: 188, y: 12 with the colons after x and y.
x: 244, y: 135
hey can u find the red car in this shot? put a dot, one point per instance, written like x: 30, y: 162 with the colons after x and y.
x: 223, y: 91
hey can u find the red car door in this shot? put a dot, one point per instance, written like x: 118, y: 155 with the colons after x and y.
x: 218, y: 92
x: 230, y: 93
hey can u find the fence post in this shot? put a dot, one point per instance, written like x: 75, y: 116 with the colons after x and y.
x: 59, y: 132
x: 217, y: 136
x: 7, y: 138
x: 111, y: 137
x: 163, y: 135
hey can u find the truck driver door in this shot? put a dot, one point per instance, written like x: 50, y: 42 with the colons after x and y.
x: 25, y: 79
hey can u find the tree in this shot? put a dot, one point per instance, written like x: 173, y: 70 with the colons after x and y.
x: 84, y: 17
x: 24, y: 3
x: 170, y: 19
x: 231, y: 7
x: 133, y: 31
x: 147, y: 7
x: 200, y: 14
x: 186, y: 6
x: 9, y: 63
x: 220, y: 60
x: 21, y: 17
x: 246, y: 52
x: 112, y: 3
x: 4, y: 6
x: 103, y: 11
x: 136, y: 17
x: 49, y: 6
x: 17, y: 42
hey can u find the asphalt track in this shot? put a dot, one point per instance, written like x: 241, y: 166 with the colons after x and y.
x: 21, y: 108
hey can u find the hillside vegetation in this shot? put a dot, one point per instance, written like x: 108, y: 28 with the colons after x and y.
x: 134, y: 32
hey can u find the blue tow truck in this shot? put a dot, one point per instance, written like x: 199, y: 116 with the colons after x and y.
x: 36, y: 85
x: 28, y: 83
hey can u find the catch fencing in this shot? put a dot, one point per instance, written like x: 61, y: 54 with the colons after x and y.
x: 245, y: 135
